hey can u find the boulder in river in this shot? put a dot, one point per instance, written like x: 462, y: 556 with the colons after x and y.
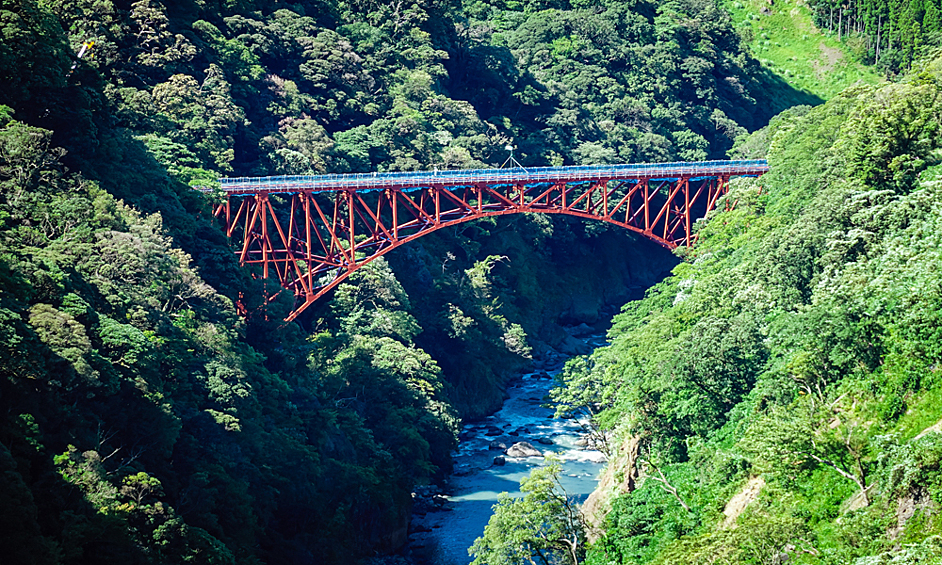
x: 580, y: 330
x: 544, y: 441
x: 497, y: 445
x: 523, y: 449
x: 493, y: 431
x: 572, y: 346
x: 499, y: 461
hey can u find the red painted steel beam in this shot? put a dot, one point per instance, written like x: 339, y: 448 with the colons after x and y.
x: 336, y: 224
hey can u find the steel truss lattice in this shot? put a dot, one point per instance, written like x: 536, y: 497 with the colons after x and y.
x: 311, y: 233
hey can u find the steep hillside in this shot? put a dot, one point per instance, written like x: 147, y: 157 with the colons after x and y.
x: 143, y: 420
x: 790, y: 367
x: 786, y: 39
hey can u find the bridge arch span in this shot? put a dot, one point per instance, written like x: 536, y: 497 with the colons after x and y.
x: 312, y: 232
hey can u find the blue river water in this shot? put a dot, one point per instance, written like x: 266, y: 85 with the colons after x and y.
x: 442, y: 537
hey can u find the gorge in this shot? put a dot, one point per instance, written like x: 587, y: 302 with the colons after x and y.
x: 155, y: 407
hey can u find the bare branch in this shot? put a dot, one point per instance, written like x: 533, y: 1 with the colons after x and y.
x: 665, y: 484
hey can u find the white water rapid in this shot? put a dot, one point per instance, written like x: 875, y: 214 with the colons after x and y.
x: 443, y: 535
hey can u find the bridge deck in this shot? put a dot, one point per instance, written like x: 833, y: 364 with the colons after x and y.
x: 465, y: 177
x: 313, y: 244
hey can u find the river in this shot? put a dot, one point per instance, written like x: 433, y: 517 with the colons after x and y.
x: 442, y: 535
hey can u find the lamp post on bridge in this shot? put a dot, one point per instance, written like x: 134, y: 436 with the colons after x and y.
x: 513, y: 162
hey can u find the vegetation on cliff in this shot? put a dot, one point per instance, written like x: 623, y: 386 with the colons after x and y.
x: 144, y: 421
x: 798, y: 343
x: 785, y: 39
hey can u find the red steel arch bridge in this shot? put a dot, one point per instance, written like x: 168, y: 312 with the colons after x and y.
x: 311, y: 232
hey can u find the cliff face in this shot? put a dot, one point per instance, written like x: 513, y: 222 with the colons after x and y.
x: 619, y: 478
x: 782, y: 378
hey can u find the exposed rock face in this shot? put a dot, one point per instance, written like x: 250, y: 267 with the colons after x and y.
x: 391, y: 536
x: 933, y: 429
x: 906, y: 508
x: 557, y: 338
x: 618, y: 478
x: 741, y: 500
x: 523, y: 449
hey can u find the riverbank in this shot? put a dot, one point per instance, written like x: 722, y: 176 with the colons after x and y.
x: 493, y: 455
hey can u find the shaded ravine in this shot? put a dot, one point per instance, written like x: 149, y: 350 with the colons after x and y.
x: 445, y: 526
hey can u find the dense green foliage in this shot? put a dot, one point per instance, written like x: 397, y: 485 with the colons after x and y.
x: 141, y: 427
x: 144, y: 421
x: 541, y: 527
x: 799, y: 343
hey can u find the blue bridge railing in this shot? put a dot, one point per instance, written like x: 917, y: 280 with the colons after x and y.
x: 458, y: 177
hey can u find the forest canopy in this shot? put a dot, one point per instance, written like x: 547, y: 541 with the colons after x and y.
x: 146, y: 420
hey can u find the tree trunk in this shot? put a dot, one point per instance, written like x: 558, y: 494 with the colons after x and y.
x: 879, y: 22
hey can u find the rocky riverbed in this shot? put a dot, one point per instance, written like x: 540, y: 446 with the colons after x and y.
x: 493, y: 455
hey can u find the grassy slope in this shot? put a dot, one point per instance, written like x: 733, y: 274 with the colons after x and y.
x: 788, y: 43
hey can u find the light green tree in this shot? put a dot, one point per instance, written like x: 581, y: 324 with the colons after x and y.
x: 544, y: 526
x: 807, y: 434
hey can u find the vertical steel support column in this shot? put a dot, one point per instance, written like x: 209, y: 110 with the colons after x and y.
x: 647, y: 208
x: 604, y: 185
x: 263, y: 202
x: 709, y: 200
x: 250, y: 218
x: 687, y: 212
x: 295, y: 200
x: 309, y: 244
x: 353, y: 257
x: 393, y: 196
